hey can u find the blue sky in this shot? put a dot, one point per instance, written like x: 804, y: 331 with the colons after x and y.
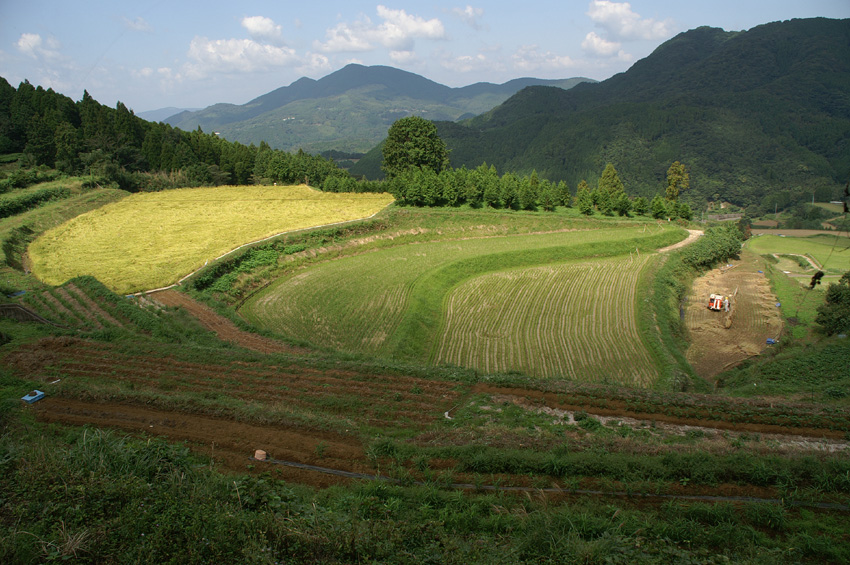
x: 154, y: 54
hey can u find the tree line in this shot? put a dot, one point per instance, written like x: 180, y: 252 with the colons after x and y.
x: 118, y: 148
x: 416, y: 165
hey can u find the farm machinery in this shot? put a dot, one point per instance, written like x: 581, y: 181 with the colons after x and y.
x: 718, y: 302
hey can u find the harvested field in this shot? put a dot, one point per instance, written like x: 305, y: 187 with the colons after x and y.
x: 753, y: 319
x: 574, y: 321
x: 361, y: 303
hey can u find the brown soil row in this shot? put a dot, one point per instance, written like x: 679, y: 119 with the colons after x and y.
x: 222, y: 327
x: 375, y: 399
x: 230, y: 444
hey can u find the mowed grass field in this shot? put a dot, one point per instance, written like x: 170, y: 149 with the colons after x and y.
x: 576, y: 320
x: 831, y: 252
x: 394, y: 302
x: 151, y: 240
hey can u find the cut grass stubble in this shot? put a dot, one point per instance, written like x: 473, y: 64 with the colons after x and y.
x: 391, y: 303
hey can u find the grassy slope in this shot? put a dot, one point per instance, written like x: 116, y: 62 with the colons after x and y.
x: 98, y: 496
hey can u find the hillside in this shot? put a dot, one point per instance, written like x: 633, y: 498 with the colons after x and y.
x: 350, y: 109
x: 748, y: 112
x: 141, y: 449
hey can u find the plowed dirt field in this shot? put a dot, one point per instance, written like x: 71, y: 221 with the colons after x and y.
x: 230, y: 444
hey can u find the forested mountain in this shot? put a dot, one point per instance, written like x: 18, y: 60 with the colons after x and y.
x: 750, y: 113
x: 350, y: 109
x: 163, y: 114
x: 117, y: 148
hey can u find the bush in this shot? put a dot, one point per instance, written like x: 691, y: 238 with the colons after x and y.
x: 834, y: 315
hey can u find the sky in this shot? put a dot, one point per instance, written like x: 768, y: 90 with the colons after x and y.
x: 192, y: 54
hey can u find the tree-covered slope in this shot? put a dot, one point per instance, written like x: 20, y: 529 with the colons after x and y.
x: 748, y: 112
x: 350, y: 109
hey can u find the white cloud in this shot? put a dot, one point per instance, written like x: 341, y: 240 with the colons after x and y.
x: 397, y: 32
x: 235, y: 56
x: 32, y: 45
x: 400, y: 29
x: 261, y: 27
x: 471, y: 63
x: 314, y: 63
x: 469, y: 15
x: 347, y: 38
x: 618, y: 19
x: 138, y: 24
x: 598, y: 46
x: 402, y: 57
x: 530, y: 58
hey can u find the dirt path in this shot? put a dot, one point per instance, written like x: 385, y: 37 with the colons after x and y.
x: 693, y: 235
x: 753, y: 320
x: 224, y: 328
x: 812, y: 263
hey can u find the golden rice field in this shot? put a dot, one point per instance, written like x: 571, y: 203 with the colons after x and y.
x: 151, y: 240
x: 575, y: 320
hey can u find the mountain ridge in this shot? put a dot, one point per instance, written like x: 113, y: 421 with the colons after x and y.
x: 349, y: 109
x: 746, y: 111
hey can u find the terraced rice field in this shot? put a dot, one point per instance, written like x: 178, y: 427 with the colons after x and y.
x: 361, y: 303
x: 575, y: 320
x: 830, y: 252
x: 150, y: 240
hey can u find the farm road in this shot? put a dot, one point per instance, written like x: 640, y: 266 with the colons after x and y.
x: 693, y: 235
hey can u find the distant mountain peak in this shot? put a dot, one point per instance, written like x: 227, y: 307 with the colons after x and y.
x: 355, y: 106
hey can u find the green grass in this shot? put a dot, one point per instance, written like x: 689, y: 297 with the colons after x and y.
x: 390, y: 302
x: 816, y: 373
x: 798, y: 303
x: 832, y: 253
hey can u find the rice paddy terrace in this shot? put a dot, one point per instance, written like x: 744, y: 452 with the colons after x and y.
x: 151, y: 240
x: 558, y: 304
x: 498, y: 353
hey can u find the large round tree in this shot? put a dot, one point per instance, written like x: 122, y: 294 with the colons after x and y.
x: 413, y: 142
